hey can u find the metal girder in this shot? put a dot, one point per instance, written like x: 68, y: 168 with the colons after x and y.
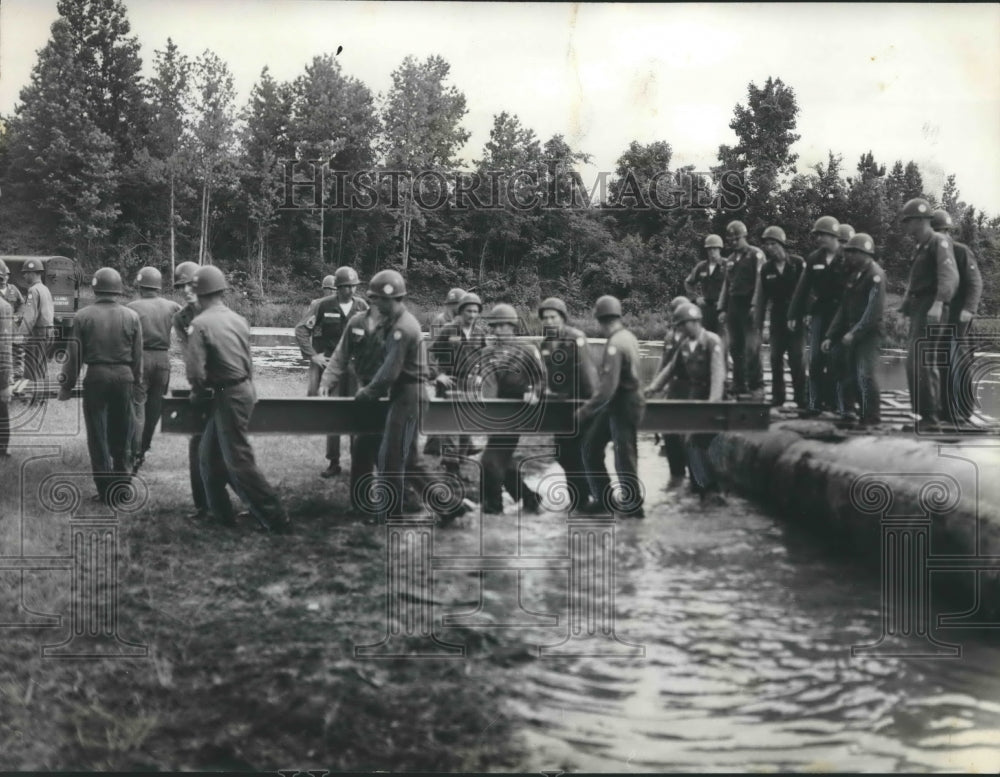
x: 336, y: 415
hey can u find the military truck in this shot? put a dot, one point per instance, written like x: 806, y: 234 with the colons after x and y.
x: 63, y: 277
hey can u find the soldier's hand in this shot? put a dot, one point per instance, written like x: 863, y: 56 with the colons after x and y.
x: 722, y: 317
x: 64, y: 394
x: 700, y: 302
x: 444, y: 380
x: 848, y: 339
x: 934, y: 314
x: 364, y: 395
x: 648, y: 392
x: 319, y: 360
x: 965, y: 316
x: 5, y: 395
x: 330, y: 391
x: 825, y: 347
x: 793, y: 325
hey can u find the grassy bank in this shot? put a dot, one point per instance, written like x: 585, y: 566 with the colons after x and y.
x: 250, y: 637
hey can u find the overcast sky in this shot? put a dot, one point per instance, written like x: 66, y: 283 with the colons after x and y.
x: 915, y: 82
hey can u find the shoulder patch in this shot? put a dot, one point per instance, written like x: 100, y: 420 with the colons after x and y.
x: 397, y: 334
x: 944, y: 242
x: 877, y: 279
x: 357, y: 331
x: 612, y: 350
x: 581, y: 341
x: 310, y: 322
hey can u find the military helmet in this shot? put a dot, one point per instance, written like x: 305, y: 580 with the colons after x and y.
x: 941, y: 220
x: 862, y: 243
x: 553, y: 303
x: 32, y: 265
x: 454, y: 296
x: 917, y: 208
x: 346, y: 276
x: 4, y: 270
x: 184, y: 273
x: 209, y: 280
x: 845, y: 232
x: 149, y: 278
x: 607, y: 306
x: 774, y: 233
x: 503, y: 313
x: 329, y: 282
x: 107, y: 281
x: 470, y: 299
x: 687, y: 313
x: 387, y: 283
x: 736, y: 229
x: 676, y: 302
x: 826, y: 225
x: 713, y: 241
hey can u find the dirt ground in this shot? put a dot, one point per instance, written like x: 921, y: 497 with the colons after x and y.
x: 250, y: 638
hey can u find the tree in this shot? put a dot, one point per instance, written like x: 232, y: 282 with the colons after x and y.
x: 212, y: 135
x: 421, y: 118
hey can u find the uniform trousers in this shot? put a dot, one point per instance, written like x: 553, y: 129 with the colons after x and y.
x: 792, y: 343
x: 618, y: 423
x: 108, y: 417
x: 923, y: 348
x: 744, y: 346
x: 149, y: 398
x: 312, y: 390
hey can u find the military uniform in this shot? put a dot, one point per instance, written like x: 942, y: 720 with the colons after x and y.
x: 514, y: 371
x: 156, y: 315
x: 318, y: 332
x: 182, y: 328
x: 14, y: 298
x: 706, y: 281
x: 218, y: 359
x: 6, y: 369
x: 355, y: 360
x: 957, y: 398
x: 677, y: 388
x: 109, y: 341
x: 36, y: 327
x: 400, y: 375
x: 453, y: 352
x: 777, y: 285
x: 823, y: 282
x: 614, y: 413
x: 860, y: 313
x: 738, y: 295
x: 933, y: 278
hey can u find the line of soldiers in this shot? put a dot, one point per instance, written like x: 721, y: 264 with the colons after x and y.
x: 842, y: 290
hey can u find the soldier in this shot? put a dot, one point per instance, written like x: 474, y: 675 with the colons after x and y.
x: 736, y: 307
x: 677, y: 388
x: 932, y: 284
x: 400, y: 376
x: 856, y: 330
x: 318, y: 334
x: 453, y: 358
x: 817, y: 294
x: 220, y: 370
x: 6, y: 372
x: 184, y: 281
x: 844, y: 233
x: 36, y: 325
x: 10, y: 292
x: 108, y: 339
x: 570, y: 374
x: 447, y: 315
x: 779, y: 277
x: 957, y: 393
x: 513, y: 372
x: 156, y: 315
x: 613, y: 415
x: 355, y: 361
x: 702, y: 359
x: 704, y: 284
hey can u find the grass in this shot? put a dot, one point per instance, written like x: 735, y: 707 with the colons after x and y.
x: 250, y: 637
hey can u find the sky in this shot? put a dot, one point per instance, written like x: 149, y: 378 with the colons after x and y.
x: 906, y: 81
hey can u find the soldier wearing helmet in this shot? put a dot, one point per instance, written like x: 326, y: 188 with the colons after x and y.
x: 400, y: 375
x: 109, y: 338
x: 613, y: 414
x: 817, y: 294
x: 740, y: 291
x: 447, y: 315
x: 856, y: 332
x: 318, y: 333
x: 675, y: 388
x: 454, y: 362
x: 701, y: 359
x: 220, y: 369
x: 156, y: 315
x: 570, y: 374
x: 778, y: 279
x: 510, y: 370
x: 932, y: 285
x: 36, y: 325
x: 704, y: 284
x: 6, y: 368
x: 10, y: 292
x: 844, y: 233
x: 957, y: 394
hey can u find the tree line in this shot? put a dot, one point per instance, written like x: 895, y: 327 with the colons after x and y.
x: 99, y: 163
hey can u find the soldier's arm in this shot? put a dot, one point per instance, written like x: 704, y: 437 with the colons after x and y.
x: 874, y: 311
x: 947, y: 272
x: 304, y: 329
x: 337, y: 365
x: 664, y: 374
x: 395, y: 354
x: 195, y: 358
x: 611, y: 368
x: 71, y: 370
x: 974, y: 285
x: 588, y: 370
x: 6, y: 355
x: 689, y: 288
x: 30, y: 312
x: 18, y: 303
x: 137, y: 352
x: 718, y: 372
x: 724, y: 291
x: 797, y: 305
x: 758, y: 285
x: 538, y: 379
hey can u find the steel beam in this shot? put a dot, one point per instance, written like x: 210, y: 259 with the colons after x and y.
x: 336, y: 415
